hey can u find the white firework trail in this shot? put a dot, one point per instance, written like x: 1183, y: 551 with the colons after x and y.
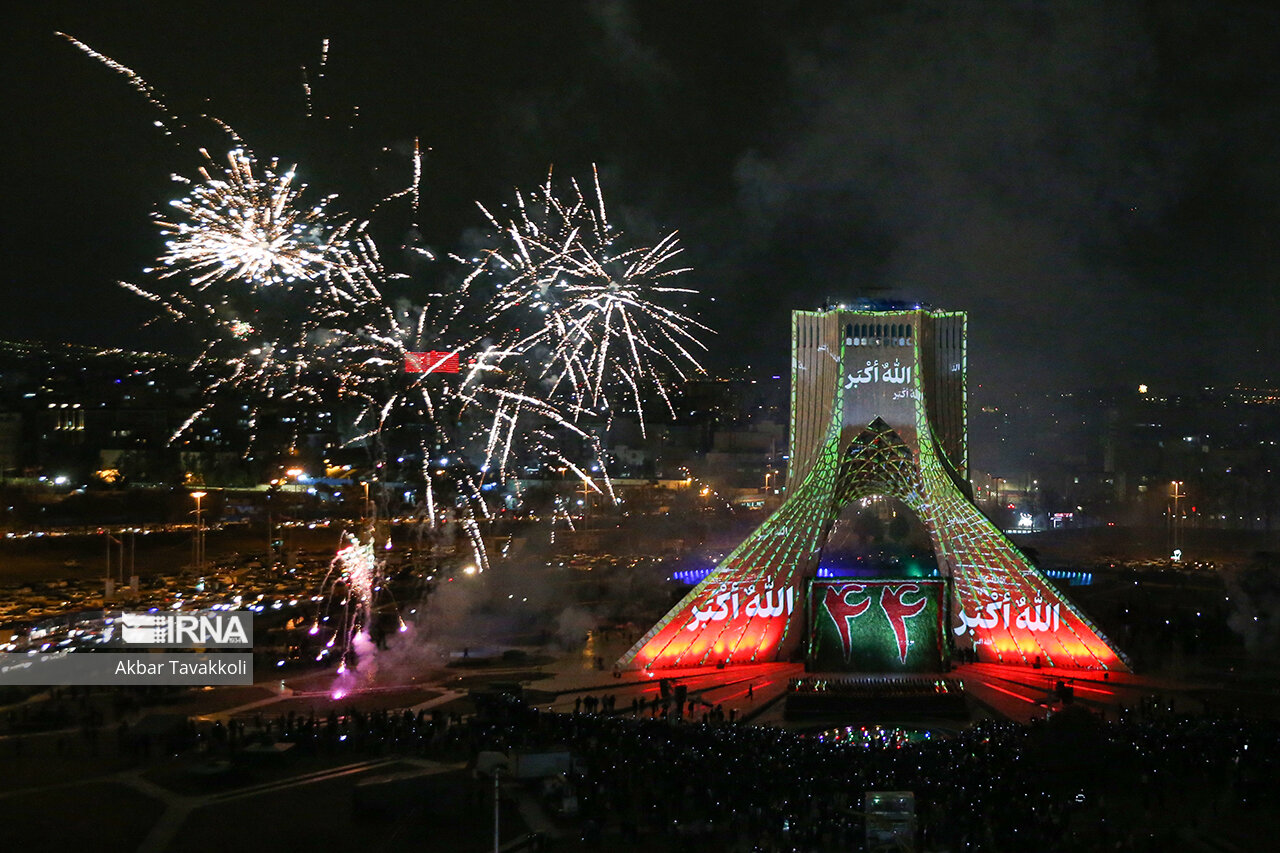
x: 170, y: 119
x: 136, y: 82
x: 269, y: 361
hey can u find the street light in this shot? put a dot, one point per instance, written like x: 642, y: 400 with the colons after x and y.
x: 497, y: 794
x: 495, y: 763
x: 1177, y: 494
x: 199, y: 541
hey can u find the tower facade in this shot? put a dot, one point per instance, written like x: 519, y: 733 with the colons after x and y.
x: 878, y: 409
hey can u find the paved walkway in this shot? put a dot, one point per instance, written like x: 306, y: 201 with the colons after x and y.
x: 748, y: 693
x: 743, y: 690
x: 1023, y: 694
x: 178, y: 807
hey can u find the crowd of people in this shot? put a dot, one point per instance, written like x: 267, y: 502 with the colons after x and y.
x: 697, y: 780
x: 1073, y: 782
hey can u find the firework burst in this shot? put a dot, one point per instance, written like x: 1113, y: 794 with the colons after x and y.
x: 482, y: 420
x: 608, y: 341
x: 239, y: 225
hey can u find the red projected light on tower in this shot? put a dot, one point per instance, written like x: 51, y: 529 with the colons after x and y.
x: 431, y: 362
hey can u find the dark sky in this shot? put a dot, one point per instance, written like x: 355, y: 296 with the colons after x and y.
x: 1096, y: 183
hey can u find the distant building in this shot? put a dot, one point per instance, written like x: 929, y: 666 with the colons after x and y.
x: 1114, y: 455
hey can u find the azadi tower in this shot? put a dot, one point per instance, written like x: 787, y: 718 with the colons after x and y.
x: 878, y: 408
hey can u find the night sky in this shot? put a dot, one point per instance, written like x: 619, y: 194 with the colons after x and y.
x: 1096, y: 183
